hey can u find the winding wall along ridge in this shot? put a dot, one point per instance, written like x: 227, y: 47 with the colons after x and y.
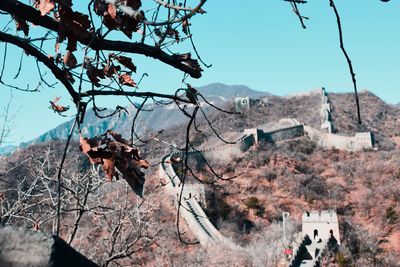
x: 192, y: 212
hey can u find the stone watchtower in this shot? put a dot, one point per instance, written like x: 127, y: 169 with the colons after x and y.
x: 326, y: 112
x: 242, y: 104
x: 321, y: 225
x: 364, y: 140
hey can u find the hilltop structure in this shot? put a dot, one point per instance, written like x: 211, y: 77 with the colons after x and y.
x: 320, y: 225
x: 242, y: 104
x: 325, y: 137
x: 327, y: 124
x: 320, y: 230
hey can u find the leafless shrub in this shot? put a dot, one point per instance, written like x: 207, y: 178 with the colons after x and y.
x: 109, y: 225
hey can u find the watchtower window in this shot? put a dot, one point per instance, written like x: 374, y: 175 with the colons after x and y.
x: 315, y: 233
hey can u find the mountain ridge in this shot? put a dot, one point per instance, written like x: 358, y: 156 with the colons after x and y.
x: 159, y: 118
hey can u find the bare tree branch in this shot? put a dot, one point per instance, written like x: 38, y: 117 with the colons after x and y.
x: 353, y: 76
x: 58, y: 73
x: 32, y: 15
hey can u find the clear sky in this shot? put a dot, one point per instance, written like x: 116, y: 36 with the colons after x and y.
x: 260, y: 44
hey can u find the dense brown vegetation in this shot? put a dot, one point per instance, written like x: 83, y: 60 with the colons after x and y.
x: 290, y: 176
x: 378, y: 117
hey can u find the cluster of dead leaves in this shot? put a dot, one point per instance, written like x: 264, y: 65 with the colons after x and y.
x: 116, y: 154
x: 112, y: 68
x: 114, y: 19
x: 72, y: 26
x: 75, y: 26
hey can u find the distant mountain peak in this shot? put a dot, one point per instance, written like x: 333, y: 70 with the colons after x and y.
x: 229, y: 91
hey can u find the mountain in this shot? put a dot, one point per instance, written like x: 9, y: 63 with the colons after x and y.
x: 230, y: 91
x: 291, y: 176
x: 6, y: 150
x: 160, y: 117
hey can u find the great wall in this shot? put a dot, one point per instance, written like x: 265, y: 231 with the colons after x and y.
x: 186, y: 196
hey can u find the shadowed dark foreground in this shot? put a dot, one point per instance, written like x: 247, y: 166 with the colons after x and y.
x: 22, y: 248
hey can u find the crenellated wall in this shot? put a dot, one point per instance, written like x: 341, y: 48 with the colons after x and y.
x: 319, y: 229
x: 299, y: 252
x: 323, y: 223
x: 358, y: 142
x: 227, y: 152
x: 190, y: 194
x: 283, y: 134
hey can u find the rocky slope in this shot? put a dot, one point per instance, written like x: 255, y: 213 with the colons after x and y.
x: 291, y: 176
x: 377, y: 116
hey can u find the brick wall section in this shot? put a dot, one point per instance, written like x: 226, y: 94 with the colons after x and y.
x: 283, y: 134
x: 358, y: 142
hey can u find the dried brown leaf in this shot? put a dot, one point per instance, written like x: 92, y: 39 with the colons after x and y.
x: 94, y: 74
x: 73, y: 25
x: 115, y: 153
x: 187, y: 60
x: 70, y: 60
x: 100, y: 7
x: 111, y: 70
x: 125, y: 61
x: 185, y: 26
x: 112, y: 11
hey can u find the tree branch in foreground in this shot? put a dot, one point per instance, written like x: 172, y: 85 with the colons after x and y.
x: 28, y: 13
x: 61, y: 75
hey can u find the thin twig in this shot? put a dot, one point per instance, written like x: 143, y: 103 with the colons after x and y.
x: 353, y: 76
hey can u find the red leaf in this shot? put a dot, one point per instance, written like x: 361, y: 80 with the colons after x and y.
x: 58, y: 108
x: 126, y: 79
x: 112, y: 11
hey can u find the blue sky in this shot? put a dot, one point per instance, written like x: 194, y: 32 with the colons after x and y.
x: 259, y: 44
